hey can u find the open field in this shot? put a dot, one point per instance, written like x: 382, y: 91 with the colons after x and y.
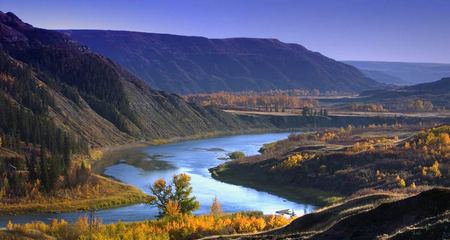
x: 392, y: 114
x: 297, y: 112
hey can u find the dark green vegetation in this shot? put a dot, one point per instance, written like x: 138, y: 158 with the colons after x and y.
x: 382, y: 215
x: 195, y: 64
x: 34, y: 151
x: 345, y: 161
x: 402, y: 73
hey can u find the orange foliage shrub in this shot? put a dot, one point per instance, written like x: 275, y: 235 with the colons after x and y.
x: 180, y: 227
x: 293, y: 160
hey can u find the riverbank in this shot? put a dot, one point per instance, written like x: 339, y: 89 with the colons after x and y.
x: 313, y: 196
x: 99, y: 193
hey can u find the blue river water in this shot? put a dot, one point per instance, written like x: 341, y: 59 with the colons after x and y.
x: 193, y: 157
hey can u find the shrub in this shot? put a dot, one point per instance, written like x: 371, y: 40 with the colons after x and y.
x: 180, y: 227
x: 435, y: 169
x: 237, y: 155
x: 400, y: 182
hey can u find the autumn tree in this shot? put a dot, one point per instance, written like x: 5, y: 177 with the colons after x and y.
x: 444, y: 138
x: 172, y: 209
x: 435, y: 169
x: 176, y: 195
x: 400, y: 182
x: 216, y: 208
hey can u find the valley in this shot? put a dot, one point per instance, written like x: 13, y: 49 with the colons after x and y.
x: 122, y: 134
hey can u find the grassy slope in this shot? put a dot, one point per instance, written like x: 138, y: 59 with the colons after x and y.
x: 393, y: 216
x: 305, y: 194
x: 109, y: 194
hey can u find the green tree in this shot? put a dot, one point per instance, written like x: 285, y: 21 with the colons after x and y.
x: 177, y: 192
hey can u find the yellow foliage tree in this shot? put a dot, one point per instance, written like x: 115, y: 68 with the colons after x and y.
x: 424, y: 171
x: 184, y: 226
x: 400, y: 182
x: 172, y: 209
x: 292, y: 161
x: 444, y: 138
x: 435, y: 169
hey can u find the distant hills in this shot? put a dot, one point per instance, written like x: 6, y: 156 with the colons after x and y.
x: 440, y: 86
x: 437, y: 92
x: 183, y: 64
x: 402, y: 73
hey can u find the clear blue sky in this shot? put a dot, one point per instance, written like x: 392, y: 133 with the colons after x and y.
x: 390, y: 30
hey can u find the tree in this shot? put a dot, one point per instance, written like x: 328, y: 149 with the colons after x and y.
x: 435, y: 169
x: 444, y: 138
x: 237, y: 155
x: 172, y: 209
x: 177, y: 193
x: 216, y: 208
x: 400, y: 182
x: 182, y: 193
x: 162, y: 194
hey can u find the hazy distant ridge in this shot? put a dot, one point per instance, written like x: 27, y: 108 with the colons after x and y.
x: 402, y: 73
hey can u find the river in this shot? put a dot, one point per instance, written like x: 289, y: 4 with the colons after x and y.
x: 193, y: 157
